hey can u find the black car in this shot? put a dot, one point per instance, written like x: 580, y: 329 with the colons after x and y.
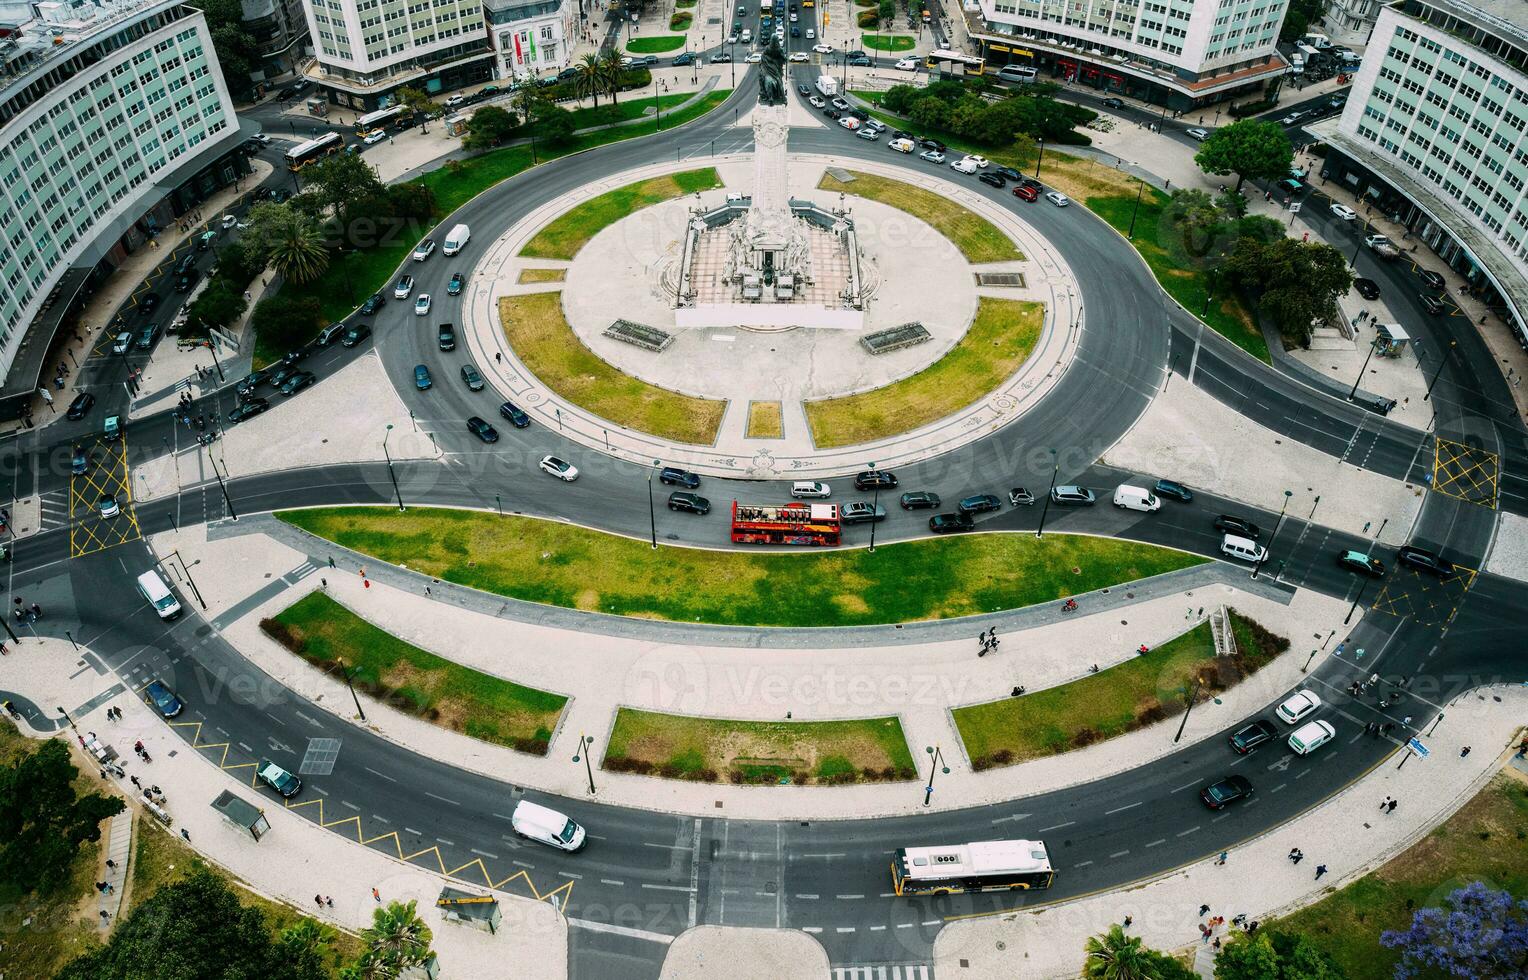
x: 1112, y: 103
x: 951, y: 523
x: 1007, y: 173
x: 902, y: 134
x: 1072, y: 495
x: 1218, y: 796
x: 861, y: 61
x: 261, y: 193
x: 1431, y: 304
x: 482, y: 429
x: 832, y: 113
x: 447, y: 336
x: 282, y: 375
x: 981, y: 503
x: 298, y: 382
x: 1175, y: 490
x: 1363, y: 564
x: 861, y: 512
x: 80, y: 407
x: 1432, y: 279
x: 929, y: 143
x: 675, y: 477
x: 804, y: 89
x: 1367, y: 288
x: 148, y: 304
x: 146, y: 336
x: 920, y: 500
x: 1245, y: 739
x: 248, y: 410
x: 280, y: 195
x: 356, y: 333
x: 252, y: 381
x: 1227, y: 524
x: 871, y: 479
x: 186, y: 282
x: 474, y: 381
x: 692, y: 503
x: 687, y: 58
x: 516, y: 418
x: 1425, y: 561
x: 992, y: 179
x: 373, y: 303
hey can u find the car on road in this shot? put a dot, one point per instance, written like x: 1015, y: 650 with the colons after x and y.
x: 861, y: 61
x: 1027, y: 192
x: 1311, y: 737
x: 147, y: 334
x: 1431, y: 304
x: 422, y: 380
x: 981, y: 503
x: 1344, y: 212
x: 251, y: 381
x: 721, y: 58
x: 810, y: 490
x: 861, y: 512
x: 482, y: 429
x: 1020, y: 497
x: 278, y: 779
x: 932, y: 156
x: 112, y: 427
x: 847, y: 122
x: 907, y: 64
x: 1291, y: 187
x: 560, y: 468
x: 247, y: 411
x: 404, y: 287
x: 1367, y: 288
x: 148, y: 304
x: 262, y: 139
x: 516, y: 418
x: 425, y: 249
x: 929, y: 143
x: 754, y: 58
x: 1057, y: 198
x: 839, y: 104
x: 692, y: 503
x: 107, y: 506
x: 951, y: 523
x: 187, y: 282
x: 832, y: 113
x: 1113, y: 103
x: 817, y: 102
x: 1073, y: 495
x: 1219, y: 795
x: 1239, y: 526
x: 1249, y: 737
x: 811, y: 33
x: 992, y: 180
x: 1424, y: 561
x: 804, y: 89
x: 1361, y: 563
x: 1175, y: 490
x: 1198, y: 134
x: 446, y: 337
x: 800, y: 55
x: 920, y: 500
x: 964, y: 166
x: 80, y: 406
x: 471, y: 378
x: 1432, y: 279
x: 1291, y: 119
x: 873, y: 479
x: 686, y: 58
x: 902, y: 145
x: 374, y: 137
x: 1298, y: 705
x: 79, y: 461
x: 866, y: 133
x: 354, y: 334
x: 373, y: 303
x: 675, y: 477
x: 297, y: 382
x: 454, y: 287
x: 163, y: 699
x: 123, y: 342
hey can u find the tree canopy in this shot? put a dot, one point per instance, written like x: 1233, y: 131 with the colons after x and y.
x: 1117, y: 956
x: 1296, y: 282
x: 43, y: 821
x: 489, y: 126
x: 1250, y: 148
x: 345, y: 186
x: 1274, y: 956
x: 1479, y: 934
x: 957, y: 108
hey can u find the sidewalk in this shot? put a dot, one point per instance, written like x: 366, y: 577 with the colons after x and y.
x: 1258, y: 880
x: 297, y: 857
x: 247, y: 576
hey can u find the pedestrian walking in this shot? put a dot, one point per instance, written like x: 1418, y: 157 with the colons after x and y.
x: 1216, y: 943
x: 1406, y: 720
x: 111, y: 864
x: 1126, y: 923
x: 138, y: 746
x: 1204, y: 933
x: 1384, y: 803
x: 134, y: 781
x: 1464, y: 752
x: 376, y: 895
x: 498, y: 356
x: 1222, y: 859
x: 328, y: 901
x: 1391, y: 807
x: 185, y: 834
x: 1294, y: 855
x: 1320, y: 870
x: 331, y: 561
x: 318, y: 900
x: 1203, y: 909
x: 105, y: 917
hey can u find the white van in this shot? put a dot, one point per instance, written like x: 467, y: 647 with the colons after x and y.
x: 1318, y: 41
x: 156, y: 590
x: 546, y: 825
x: 456, y: 239
x: 1297, y: 63
x: 1310, y: 737
x: 1136, y: 498
x: 810, y: 489
x: 1242, y: 549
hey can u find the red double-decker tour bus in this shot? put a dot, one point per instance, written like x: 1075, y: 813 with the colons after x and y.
x: 793, y: 523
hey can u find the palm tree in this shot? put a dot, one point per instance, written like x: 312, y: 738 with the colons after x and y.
x: 1116, y: 956
x: 397, y: 936
x: 588, y: 81
x: 297, y: 250
x: 610, y: 73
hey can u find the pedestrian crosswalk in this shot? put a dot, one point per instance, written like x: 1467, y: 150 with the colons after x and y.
x: 55, y: 510
x: 885, y: 971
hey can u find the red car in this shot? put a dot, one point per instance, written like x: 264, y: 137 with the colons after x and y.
x: 1027, y: 192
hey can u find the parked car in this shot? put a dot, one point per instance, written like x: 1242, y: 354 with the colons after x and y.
x: 470, y: 376
x: 354, y: 334
x: 147, y: 334
x: 247, y: 411
x: 1431, y: 303
x: 992, y: 180
x: 298, y: 382
x: 951, y: 523
x: 1073, y: 495
x: 1113, y: 103
x: 1432, y: 279
x: 1057, y: 198
x: 482, y: 429
x: 1020, y: 497
x: 1026, y: 192
x: 560, y: 468
x: 80, y: 406
x: 1175, y: 490
x: 373, y: 303
x: 1199, y: 134
x: 861, y: 512
x: 278, y: 779
x: 920, y: 500
x: 674, y: 477
x: 932, y: 156
x: 123, y: 343
x: 1344, y: 212
x: 1008, y: 173
x: 1425, y: 561
x: 692, y: 503
x: 872, y: 479
x: 981, y: 503
x: 1249, y: 737
x: 163, y: 699
x: 1219, y: 795
x: 1367, y: 288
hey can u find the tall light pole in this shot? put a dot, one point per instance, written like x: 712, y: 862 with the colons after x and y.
x: 346, y: 672
x: 1442, y: 359
x: 1274, y: 537
x: 1363, y: 584
x: 390, y: 472
x: 1040, y: 159
x: 1045, y: 509
x: 652, y: 512
x: 1373, y: 344
x: 1192, y: 698
x: 874, y: 506
x: 1141, y: 189
x: 585, y: 743
x: 227, y: 500
x: 936, y: 756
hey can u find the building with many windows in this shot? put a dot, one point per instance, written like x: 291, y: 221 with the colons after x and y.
x: 1182, y: 54
x: 280, y: 28
x: 1435, y: 136
x: 114, y: 122
x: 531, y: 37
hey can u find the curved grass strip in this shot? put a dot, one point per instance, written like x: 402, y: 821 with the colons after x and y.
x: 1002, y: 336
x: 572, y: 230
x: 535, y: 327
x: 978, y: 239
x: 562, y: 565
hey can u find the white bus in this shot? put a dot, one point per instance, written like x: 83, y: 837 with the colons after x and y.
x: 984, y: 866
x: 954, y: 63
x: 379, y: 119
x: 314, y: 150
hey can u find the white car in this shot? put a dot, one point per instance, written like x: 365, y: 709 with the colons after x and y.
x: 1308, y: 738
x: 903, y: 145
x: 108, y: 506
x: 1344, y: 212
x: 262, y: 139
x: 794, y: 18
x: 823, y: 48
x: 746, y: 37
x: 374, y: 137
x: 800, y: 56
x: 1057, y: 198
x: 816, y: 102
x: 849, y: 122
x: 810, y: 489
x: 731, y: 39
x: 404, y: 287
x: 122, y: 343
x: 980, y: 161
x: 908, y: 64
x: 779, y: 34
x: 811, y: 33
x: 425, y: 250
x: 932, y: 156
x: 1298, y: 705
x: 965, y: 165
x: 422, y: 305
x: 455, y: 100
x: 754, y: 58
x: 560, y: 468
x: 1199, y: 134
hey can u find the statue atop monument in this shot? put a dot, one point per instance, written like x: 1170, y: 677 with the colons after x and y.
x: 772, y: 75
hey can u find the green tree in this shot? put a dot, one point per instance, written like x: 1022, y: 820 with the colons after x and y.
x: 488, y: 127
x: 1299, y: 17
x: 557, y: 125
x: 930, y: 113
x: 344, y: 186
x: 189, y: 929
x: 1296, y: 282
x: 290, y: 240
x: 419, y: 103
x: 611, y: 73
x: 590, y: 80
x: 220, y: 304
x: 887, y: 11
x: 1274, y: 956
x: 397, y: 937
x: 1249, y: 148
x: 43, y: 821
x: 239, y: 263
x: 237, y: 50
x: 411, y: 200
x: 305, y: 946
x: 286, y: 320
x: 1116, y: 956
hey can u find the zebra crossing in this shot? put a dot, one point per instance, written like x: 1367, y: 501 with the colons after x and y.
x: 885, y: 971
x: 55, y: 510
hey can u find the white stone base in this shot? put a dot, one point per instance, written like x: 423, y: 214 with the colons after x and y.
x: 768, y: 316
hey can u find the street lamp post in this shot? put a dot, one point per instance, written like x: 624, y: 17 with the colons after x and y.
x: 874, y: 506
x: 212, y: 348
x: 1192, y: 698
x: 1363, y: 584
x: 1442, y: 359
x: 1041, y: 159
x: 227, y: 500
x: 1269, y: 550
x: 68, y: 719
x: 189, y: 580
x: 1140, y: 189
x: 1373, y: 345
x: 346, y: 672
x: 1045, y: 509
x: 390, y: 472
x: 585, y: 744
x: 652, y: 512
x: 936, y: 756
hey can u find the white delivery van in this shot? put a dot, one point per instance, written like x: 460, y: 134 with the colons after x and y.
x: 1297, y: 63
x: 456, y: 240
x: 157, y: 591
x: 827, y: 85
x: 1318, y: 41
x: 546, y: 825
x: 1243, y: 549
x: 1310, y: 737
x: 1135, y: 498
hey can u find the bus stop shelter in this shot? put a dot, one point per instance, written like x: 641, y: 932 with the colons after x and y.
x: 242, y: 814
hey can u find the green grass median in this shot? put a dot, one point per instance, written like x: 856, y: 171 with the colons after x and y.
x: 888, y: 42
x: 658, y: 45
x: 1130, y: 695
x: 561, y: 565
x: 758, y: 752
x: 418, y: 682
x: 978, y: 239
x: 571, y: 230
x: 1002, y: 336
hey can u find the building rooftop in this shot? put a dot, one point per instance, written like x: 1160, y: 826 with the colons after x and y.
x: 1502, y: 17
x: 36, y: 36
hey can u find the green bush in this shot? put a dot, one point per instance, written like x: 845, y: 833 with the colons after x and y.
x: 284, y: 322
x: 1242, y: 110
x: 868, y: 19
x: 679, y: 21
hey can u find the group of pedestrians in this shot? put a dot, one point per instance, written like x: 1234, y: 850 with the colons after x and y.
x: 988, y: 642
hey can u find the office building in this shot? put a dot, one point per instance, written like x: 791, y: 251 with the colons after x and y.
x: 532, y: 37
x: 280, y: 28
x: 367, y: 49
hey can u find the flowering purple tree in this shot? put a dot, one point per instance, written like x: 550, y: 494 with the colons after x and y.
x: 1480, y: 935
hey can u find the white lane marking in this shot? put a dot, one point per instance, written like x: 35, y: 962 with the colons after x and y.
x: 441, y: 798
x: 844, y: 929
x: 1132, y: 806
x: 653, y: 937
x: 569, y: 874
x: 1118, y: 854
x: 847, y: 897
x: 611, y: 881
x: 670, y: 888
x: 813, y: 929
x: 485, y: 854
x: 1056, y: 827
